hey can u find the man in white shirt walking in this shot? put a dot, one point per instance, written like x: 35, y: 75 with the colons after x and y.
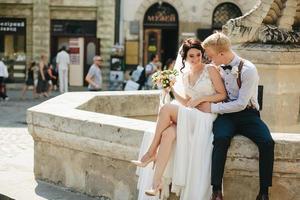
x: 63, y: 63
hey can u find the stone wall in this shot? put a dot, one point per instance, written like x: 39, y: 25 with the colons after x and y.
x: 63, y: 13
x: 90, y: 152
x: 279, y: 71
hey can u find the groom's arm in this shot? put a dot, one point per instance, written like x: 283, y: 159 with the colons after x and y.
x: 249, y: 81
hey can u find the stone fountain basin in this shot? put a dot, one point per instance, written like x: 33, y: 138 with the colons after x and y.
x: 85, y: 140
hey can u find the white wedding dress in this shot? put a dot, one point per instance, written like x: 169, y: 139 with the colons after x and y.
x: 189, y: 168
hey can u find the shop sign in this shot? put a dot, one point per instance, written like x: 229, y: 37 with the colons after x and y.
x: 12, y: 25
x: 74, y: 50
x: 132, y: 52
x: 161, y: 15
x: 134, y: 27
x: 73, y: 28
x: 160, y: 18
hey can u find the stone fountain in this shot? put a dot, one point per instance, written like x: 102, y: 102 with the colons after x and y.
x: 85, y: 140
x: 268, y: 36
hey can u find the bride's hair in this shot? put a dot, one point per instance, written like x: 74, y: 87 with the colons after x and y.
x: 190, y: 43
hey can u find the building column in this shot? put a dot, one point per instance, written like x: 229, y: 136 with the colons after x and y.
x: 41, y: 28
x: 106, y: 33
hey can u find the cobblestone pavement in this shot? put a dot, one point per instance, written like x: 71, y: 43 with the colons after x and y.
x: 16, y: 155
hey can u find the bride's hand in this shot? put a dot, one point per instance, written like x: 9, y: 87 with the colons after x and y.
x: 194, y: 102
x: 167, y: 90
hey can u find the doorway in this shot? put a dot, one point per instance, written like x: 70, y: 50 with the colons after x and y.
x: 152, y: 43
x: 79, y: 37
x: 169, y: 44
x: 160, y: 32
x: 90, y: 49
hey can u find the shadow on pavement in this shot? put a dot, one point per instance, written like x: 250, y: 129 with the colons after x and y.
x: 3, y: 197
x: 53, y: 192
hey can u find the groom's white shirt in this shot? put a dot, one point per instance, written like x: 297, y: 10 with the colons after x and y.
x: 238, y: 98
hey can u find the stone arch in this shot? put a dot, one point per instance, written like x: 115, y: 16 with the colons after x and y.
x: 207, y: 13
x: 142, y: 9
x: 177, y: 4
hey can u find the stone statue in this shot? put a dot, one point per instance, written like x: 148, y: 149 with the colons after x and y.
x: 270, y: 21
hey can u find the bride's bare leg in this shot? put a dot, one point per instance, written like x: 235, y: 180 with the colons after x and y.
x: 164, y: 152
x: 167, y: 114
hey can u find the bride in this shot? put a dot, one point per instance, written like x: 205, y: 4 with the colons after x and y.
x: 190, y: 130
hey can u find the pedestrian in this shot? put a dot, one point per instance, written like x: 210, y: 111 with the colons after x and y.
x: 42, y: 86
x: 94, y: 76
x: 29, y: 80
x: 139, y: 76
x: 50, y: 77
x: 63, y: 65
x: 3, y: 76
x: 169, y: 64
x: 54, y: 71
x: 150, y: 69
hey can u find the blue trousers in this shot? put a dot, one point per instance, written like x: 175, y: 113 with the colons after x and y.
x: 248, y: 124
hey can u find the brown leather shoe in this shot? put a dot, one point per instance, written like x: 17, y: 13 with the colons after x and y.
x: 217, y: 195
x: 262, y: 197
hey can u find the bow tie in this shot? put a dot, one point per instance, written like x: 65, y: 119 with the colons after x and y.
x: 226, y: 67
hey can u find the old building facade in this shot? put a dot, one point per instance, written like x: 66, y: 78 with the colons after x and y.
x: 159, y: 26
x: 88, y: 27
x: 29, y: 28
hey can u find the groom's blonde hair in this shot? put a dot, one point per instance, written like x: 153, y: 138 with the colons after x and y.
x: 218, y: 41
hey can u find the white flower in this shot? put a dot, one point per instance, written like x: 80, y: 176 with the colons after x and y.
x: 235, y: 71
x: 159, y: 85
x: 172, y: 77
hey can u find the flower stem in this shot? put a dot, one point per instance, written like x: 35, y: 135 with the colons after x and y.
x: 172, y: 95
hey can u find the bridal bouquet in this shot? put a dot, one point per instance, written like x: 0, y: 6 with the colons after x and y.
x: 165, y: 80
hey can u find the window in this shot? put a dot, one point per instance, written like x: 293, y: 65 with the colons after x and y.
x: 13, y: 47
x: 12, y: 39
x: 223, y: 13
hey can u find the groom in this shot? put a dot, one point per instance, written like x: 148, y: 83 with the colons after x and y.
x: 238, y: 115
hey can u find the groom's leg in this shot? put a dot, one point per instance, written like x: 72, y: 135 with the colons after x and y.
x: 223, y: 129
x: 256, y: 130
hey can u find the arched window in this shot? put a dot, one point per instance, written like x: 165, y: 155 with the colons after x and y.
x: 223, y: 13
